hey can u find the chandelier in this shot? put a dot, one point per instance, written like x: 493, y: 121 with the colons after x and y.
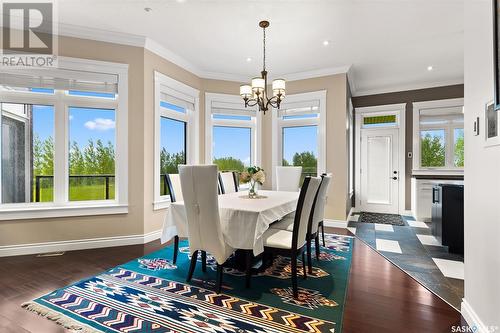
x: 256, y: 93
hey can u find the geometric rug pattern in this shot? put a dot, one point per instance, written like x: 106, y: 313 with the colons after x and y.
x: 150, y: 294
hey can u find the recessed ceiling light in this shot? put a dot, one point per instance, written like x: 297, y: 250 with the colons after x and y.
x: 148, y: 9
x: 326, y: 42
x: 249, y: 59
x: 180, y: 1
x: 430, y: 68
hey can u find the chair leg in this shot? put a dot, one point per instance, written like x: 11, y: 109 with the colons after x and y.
x: 316, y: 244
x: 309, y: 256
x: 204, y: 261
x: 304, y: 265
x: 323, y: 233
x: 218, y: 283
x: 294, y: 275
x: 194, y: 258
x: 176, y: 248
x: 248, y: 268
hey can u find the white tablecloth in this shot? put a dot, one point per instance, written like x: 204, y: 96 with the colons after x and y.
x: 243, y: 220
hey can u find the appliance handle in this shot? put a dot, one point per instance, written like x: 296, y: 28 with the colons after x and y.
x: 434, y: 190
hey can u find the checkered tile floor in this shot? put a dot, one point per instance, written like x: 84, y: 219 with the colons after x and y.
x: 413, y: 249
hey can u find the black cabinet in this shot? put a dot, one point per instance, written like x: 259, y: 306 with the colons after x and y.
x: 448, y: 216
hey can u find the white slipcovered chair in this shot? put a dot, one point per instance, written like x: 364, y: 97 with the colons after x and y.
x: 175, y: 192
x: 199, y: 187
x: 293, y: 243
x: 288, y: 178
x: 317, y: 216
x: 228, y: 182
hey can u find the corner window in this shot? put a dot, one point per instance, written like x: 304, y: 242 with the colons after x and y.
x: 300, y: 133
x: 232, y: 133
x: 176, y: 128
x: 60, y: 143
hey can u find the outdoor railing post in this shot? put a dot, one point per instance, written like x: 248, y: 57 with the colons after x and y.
x: 165, y: 185
x: 107, y: 187
x: 37, y: 188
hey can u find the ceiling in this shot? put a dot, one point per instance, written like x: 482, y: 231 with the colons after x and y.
x: 388, y: 43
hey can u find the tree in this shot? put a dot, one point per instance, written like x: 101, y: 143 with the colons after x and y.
x: 306, y: 160
x: 432, y: 151
x: 90, y: 158
x: 105, y: 158
x: 285, y: 163
x: 47, y: 157
x: 76, y: 162
x: 37, y: 156
x: 169, y: 162
x: 229, y: 164
x: 459, y: 152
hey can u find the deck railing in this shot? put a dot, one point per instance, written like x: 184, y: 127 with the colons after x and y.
x: 108, y: 180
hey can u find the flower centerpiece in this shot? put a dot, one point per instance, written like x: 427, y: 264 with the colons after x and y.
x: 253, y: 175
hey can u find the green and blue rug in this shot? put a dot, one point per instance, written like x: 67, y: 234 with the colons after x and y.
x: 149, y: 294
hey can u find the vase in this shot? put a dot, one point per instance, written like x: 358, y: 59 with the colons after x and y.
x: 252, y: 192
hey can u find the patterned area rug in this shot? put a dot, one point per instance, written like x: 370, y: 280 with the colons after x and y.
x: 393, y: 219
x: 150, y: 294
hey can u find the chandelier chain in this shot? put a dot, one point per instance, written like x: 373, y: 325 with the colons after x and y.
x: 264, y: 48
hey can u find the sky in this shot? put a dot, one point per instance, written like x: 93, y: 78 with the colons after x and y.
x: 232, y: 141
x: 85, y: 123
x: 298, y: 140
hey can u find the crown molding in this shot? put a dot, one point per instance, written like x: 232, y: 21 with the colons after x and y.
x: 316, y: 73
x: 407, y: 87
x: 75, y: 31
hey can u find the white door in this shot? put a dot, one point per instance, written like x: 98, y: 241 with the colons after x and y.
x: 379, y: 191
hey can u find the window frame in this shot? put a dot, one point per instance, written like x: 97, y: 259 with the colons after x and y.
x: 61, y: 101
x: 255, y: 125
x: 278, y: 123
x: 449, y: 129
x: 166, y: 85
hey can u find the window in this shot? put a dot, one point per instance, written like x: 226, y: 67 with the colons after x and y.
x: 440, y: 140
x: 176, y: 132
x: 300, y: 148
x: 58, y: 139
x: 300, y: 135
x: 232, y: 147
x: 91, y: 154
x: 27, y: 153
x: 232, y: 133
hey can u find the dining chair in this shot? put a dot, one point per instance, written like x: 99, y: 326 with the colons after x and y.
x: 288, y: 178
x: 175, y: 191
x: 199, y: 186
x: 293, y: 243
x: 320, y: 212
x: 316, y: 220
x: 228, y: 182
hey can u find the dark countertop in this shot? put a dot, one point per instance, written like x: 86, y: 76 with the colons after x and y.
x: 451, y: 185
x: 443, y: 177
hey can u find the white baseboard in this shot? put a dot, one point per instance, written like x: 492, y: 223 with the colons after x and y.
x: 335, y: 223
x: 78, y: 244
x: 472, y: 318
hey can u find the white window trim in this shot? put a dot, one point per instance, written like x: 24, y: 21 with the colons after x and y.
x: 167, y: 85
x: 381, y: 110
x: 255, y: 126
x: 278, y: 124
x: 61, y: 206
x: 447, y: 170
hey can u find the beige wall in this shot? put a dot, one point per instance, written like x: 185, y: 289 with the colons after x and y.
x: 153, y: 220
x: 336, y: 146
x: 141, y: 217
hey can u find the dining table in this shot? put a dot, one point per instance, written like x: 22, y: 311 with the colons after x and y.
x: 243, y: 219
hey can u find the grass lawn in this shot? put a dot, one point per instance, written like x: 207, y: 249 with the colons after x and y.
x: 80, y: 192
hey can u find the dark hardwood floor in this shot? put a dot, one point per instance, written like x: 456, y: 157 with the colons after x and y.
x: 380, y: 297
